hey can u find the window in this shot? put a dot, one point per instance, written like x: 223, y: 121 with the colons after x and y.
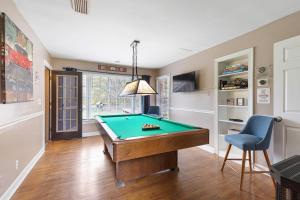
x: 163, y: 90
x: 100, y: 95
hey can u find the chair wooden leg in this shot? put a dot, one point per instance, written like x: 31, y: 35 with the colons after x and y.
x: 250, y: 161
x: 226, y: 156
x: 268, y: 163
x: 243, y: 168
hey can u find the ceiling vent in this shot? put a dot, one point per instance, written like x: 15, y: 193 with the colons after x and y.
x: 80, y: 6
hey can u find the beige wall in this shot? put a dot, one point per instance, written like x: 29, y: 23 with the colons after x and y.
x: 21, y: 124
x: 261, y: 39
x: 59, y: 63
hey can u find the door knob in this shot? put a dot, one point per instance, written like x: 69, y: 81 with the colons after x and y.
x: 278, y: 119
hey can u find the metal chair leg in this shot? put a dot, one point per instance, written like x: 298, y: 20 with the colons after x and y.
x: 268, y: 163
x: 226, y: 156
x: 243, y: 168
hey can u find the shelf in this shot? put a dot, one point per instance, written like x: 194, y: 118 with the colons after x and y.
x: 234, y: 90
x: 233, y: 74
x: 231, y: 106
x: 232, y: 122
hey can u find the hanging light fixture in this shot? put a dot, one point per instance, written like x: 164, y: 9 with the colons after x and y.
x: 137, y: 86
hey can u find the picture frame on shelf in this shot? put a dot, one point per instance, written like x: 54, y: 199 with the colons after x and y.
x: 240, y: 101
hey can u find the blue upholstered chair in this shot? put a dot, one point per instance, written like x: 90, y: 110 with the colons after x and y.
x: 153, y: 110
x: 256, y: 136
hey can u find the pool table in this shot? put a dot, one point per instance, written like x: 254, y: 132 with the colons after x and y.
x: 137, y: 152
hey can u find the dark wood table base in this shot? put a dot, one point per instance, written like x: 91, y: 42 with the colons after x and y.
x: 140, y: 167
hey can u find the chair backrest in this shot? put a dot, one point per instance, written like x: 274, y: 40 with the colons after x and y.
x: 260, y: 126
x: 153, y: 110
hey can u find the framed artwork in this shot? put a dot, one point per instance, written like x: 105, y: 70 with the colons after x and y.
x: 16, y: 66
x: 263, y: 95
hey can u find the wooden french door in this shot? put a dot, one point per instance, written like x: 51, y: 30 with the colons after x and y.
x: 287, y: 97
x: 66, y: 105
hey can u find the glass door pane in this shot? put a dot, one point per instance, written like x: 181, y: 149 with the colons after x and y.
x: 67, y: 103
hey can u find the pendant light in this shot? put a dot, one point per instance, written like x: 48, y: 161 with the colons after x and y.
x: 137, y: 86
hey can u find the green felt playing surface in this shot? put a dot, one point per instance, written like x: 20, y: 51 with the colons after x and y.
x: 128, y: 126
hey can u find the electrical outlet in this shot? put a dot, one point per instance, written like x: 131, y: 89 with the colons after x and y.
x: 17, y: 164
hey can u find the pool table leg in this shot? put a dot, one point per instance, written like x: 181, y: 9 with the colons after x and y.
x: 105, y: 150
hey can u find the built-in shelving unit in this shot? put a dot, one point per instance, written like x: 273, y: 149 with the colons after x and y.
x: 227, y: 107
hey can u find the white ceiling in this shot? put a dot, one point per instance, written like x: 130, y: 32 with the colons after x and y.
x: 165, y: 27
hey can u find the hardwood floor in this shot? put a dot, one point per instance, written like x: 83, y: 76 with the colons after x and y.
x: 78, y: 169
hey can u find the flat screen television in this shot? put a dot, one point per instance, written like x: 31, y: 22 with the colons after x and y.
x: 185, y: 82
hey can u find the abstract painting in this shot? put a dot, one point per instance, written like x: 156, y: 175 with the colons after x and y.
x: 16, y: 66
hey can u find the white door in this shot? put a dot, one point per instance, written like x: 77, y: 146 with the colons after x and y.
x: 287, y: 97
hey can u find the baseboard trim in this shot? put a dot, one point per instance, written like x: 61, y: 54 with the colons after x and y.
x: 259, y: 166
x: 89, y: 134
x: 208, y: 148
x: 18, y: 181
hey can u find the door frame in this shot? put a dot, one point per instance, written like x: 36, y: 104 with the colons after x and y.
x: 65, y: 135
x: 47, y: 93
x: 49, y: 67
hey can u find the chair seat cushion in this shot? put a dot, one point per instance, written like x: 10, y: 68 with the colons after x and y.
x: 243, y: 141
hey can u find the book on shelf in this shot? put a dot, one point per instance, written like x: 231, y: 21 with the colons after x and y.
x: 236, y: 120
x: 232, y: 88
x: 233, y: 72
x: 236, y: 68
x: 236, y: 83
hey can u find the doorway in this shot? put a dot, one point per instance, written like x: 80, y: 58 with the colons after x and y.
x: 66, y: 105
